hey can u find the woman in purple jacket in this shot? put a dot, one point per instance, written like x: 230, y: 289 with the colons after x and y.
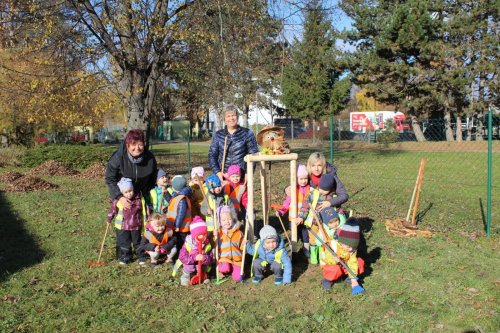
x: 240, y: 142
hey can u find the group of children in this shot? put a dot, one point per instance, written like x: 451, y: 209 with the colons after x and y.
x: 199, y: 223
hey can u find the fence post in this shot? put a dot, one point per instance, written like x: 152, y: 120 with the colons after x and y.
x: 331, y: 140
x: 490, y: 162
x: 292, y: 129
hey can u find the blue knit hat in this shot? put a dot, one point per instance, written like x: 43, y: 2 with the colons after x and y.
x: 212, y: 182
x: 328, y: 214
x: 326, y: 182
x: 160, y: 174
x: 178, y: 183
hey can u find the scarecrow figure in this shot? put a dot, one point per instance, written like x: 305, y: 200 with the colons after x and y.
x: 271, y: 139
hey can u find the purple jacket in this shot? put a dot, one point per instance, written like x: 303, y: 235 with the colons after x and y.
x: 188, y: 258
x: 132, y: 217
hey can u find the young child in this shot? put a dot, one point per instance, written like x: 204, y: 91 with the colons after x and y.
x: 303, y: 190
x: 215, y: 198
x: 197, y: 178
x: 236, y: 189
x: 346, y: 248
x: 157, y: 195
x: 179, y: 208
x: 189, y: 254
x: 128, y: 222
x: 308, y: 211
x: 158, y: 240
x: 269, y: 254
x: 230, y: 243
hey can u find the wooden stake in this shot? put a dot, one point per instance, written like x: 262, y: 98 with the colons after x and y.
x: 250, y: 190
x: 414, y: 190
x: 263, y: 191
x: 421, y: 179
x: 293, y: 202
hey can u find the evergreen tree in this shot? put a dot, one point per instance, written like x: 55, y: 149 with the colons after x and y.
x: 311, y: 82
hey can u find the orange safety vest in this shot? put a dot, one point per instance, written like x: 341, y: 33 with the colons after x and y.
x: 172, y: 212
x: 300, y: 200
x: 152, y: 239
x: 230, y: 246
x: 235, y: 195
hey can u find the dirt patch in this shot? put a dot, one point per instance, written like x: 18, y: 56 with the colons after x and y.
x: 10, y: 177
x: 52, y: 168
x: 28, y: 184
x: 95, y: 171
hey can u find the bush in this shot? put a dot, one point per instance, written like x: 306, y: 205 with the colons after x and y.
x: 389, y: 135
x: 11, y: 156
x: 74, y: 156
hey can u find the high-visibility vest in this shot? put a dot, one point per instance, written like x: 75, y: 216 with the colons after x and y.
x: 300, y: 200
x: 119, y: 215
x: 172, y: 212
x: 211, y: 204
x: 178, y: 263
x: 235, y: 195
x: 152, y: 239
x: 277, y: 255
x: 326, y: 258
x: 229, y: 246
x: 312, y: 208
x: 158, y: 199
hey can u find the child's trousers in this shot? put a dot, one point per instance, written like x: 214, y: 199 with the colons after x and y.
x: 226, y: 268
x: 124, y: 241
x: 259, y: 269
x: 335, y: 272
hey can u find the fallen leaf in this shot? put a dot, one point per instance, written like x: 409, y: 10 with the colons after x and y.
x: 269, y: 317
x: 33, y: 280
x: 220, y: 308
x: 439, y: 326
x: 473, y: 290
x: 389, y: 314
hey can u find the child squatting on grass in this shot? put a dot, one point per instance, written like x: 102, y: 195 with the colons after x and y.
x: 190, y: 254
x: 159, y: 240
x: 346, y: 249
x: 269, y: 254
x: 128, y: 222
x: 230, y: 243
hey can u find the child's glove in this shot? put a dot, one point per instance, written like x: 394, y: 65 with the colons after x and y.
x: 162, y: 250
x: 264, y: 263
x: 357, y: 290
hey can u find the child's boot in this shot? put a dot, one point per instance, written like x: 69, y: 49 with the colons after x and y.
x: 326, y: 285
x: 185, y: 277
x: 314, y: 251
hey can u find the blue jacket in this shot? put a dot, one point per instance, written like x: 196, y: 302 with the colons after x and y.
x: 239, y: 144
x: 269, y: 257
x: 183, y: 206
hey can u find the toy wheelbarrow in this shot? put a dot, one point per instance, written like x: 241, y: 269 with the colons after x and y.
x: 201, y: 276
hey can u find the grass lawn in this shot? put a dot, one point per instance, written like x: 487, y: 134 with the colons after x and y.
x: 449, y: 283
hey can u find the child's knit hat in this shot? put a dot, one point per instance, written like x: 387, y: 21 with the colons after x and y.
x: 328, y: 214
x: 233, y: 170
x: 197, y: 171
x: 302, y: 171
x: 125, y: 184
x: 178, y: 183
x: 268, y: 232
x: 326, y: 182
x: 212, y: 181
x: 197, y: 227
x: 161, y: 173
x: 348, y: 234
x: 224, y: 209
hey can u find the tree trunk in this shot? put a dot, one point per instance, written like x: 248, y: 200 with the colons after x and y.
x: 314, y: 130
x: 138, y: 116
x: 245, y: 115
x: 459, y: 122
x: 447, y: 124
x: 419, y: 135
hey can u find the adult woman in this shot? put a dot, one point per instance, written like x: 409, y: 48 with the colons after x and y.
x: 133, y: 161
x: 240, y: 142
x: 317, y: 166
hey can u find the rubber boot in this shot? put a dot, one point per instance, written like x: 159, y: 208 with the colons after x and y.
x: 314, y: 260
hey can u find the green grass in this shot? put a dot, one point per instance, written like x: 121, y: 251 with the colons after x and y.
x: 448, y: 283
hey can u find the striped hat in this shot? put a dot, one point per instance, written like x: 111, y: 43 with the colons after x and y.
x: 197, y: 227
x: 348, y: 234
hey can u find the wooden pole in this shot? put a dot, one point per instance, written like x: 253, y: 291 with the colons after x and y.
x: 250, y: 209
x: 293, y: 202
x: 421, y: 179
x: 414, y: 190
x: 263, y: 191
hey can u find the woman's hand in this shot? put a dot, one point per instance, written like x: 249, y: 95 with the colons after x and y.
x: 323, y: 205
x: 125, y: 202
x: 220, y: 174
x: 299, y: 220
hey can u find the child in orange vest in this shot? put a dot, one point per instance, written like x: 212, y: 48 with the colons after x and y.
x: 197, y: 178
x: 303, y: 190
x: 190, y: 255
x: 229, y: 243
x: 158, y: 240
x: 236, y: 190
x: 179, y: 208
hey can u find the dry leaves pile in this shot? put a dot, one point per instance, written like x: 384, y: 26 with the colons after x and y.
x: 27, y: 184
x: 95, y: 171
x: 9, y: 177
x: 52, y: 168
x: 400, y: 227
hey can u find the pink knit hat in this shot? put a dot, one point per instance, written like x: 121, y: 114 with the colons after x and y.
x: 233, y: 170
x: 197, y: 227
x: 197, y: 171
x: 302, y: 171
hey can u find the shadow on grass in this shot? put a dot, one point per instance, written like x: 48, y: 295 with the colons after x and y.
x: 483, y: 216
x: 370, y: 257
x: 18, y: 249
x: 420, y: 215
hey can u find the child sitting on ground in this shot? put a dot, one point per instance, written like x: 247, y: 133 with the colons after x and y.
x: 128, y: 222
x: 229, y: 243
x: 158, y: 240
x: 158, y: 197
x: 346, y: 249
x: 237, y: 191
x: 303, y: 190
x: 179, y: 208
x: 215, y: 198
x: 308, y: 211
x: 189, y: 254
x: 197, y: 180
x: 269, y: 254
